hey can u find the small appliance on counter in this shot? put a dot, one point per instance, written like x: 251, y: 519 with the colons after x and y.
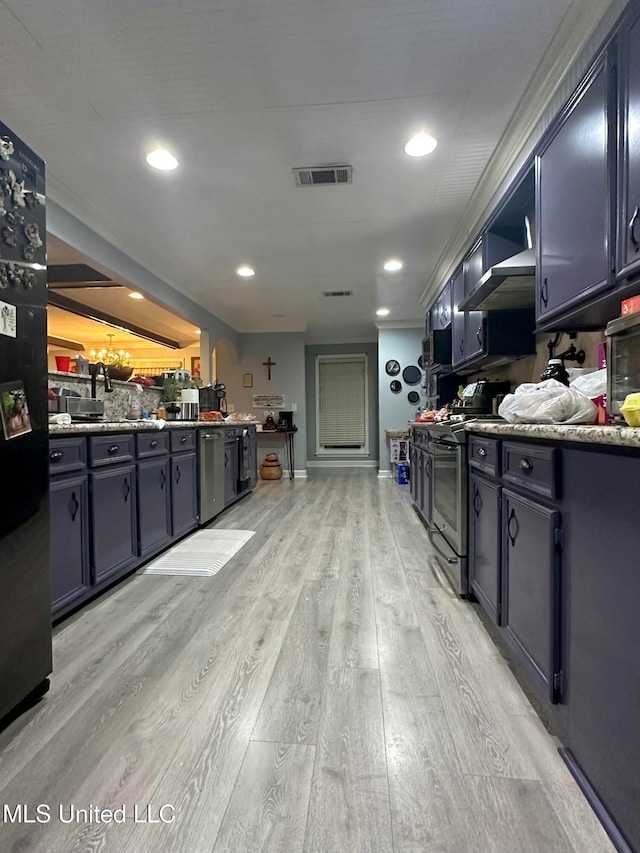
x: 623, y: 362
x: 213, y: 398
x: 285, y: 422
x: 478, y: 397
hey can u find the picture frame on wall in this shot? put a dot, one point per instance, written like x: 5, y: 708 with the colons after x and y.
x: 247, y: 380
x: 195, y: 365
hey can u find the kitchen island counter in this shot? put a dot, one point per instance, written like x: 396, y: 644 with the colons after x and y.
x: 616, y: 436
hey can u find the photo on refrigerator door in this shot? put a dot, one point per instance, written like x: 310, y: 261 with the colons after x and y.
x: 14, y: 410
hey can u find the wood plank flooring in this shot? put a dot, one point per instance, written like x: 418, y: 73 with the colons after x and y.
x: 326, y: 691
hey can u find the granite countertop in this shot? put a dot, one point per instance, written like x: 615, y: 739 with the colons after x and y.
x: 621, y: 436
x: 132, y: 426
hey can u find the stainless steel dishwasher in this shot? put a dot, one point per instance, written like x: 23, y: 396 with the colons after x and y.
x: 211, y: 473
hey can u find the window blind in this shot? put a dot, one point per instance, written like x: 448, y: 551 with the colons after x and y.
x: 342, y: 403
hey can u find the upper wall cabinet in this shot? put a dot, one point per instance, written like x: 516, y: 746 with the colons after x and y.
x: 574, y: 202
x: 441, y: 309
x: 629, y: 155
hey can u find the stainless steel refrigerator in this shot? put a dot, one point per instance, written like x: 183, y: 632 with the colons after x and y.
x: 25, y: 607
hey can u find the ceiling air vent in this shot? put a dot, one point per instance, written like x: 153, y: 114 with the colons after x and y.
x: 337, y: 292
x: 322, y: 176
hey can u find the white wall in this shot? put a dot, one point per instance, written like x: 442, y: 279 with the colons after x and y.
x: 405, y: 346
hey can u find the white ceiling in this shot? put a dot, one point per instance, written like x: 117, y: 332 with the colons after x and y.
x: 242, y: 92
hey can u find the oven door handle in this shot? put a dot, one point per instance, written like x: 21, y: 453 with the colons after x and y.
x: 434, y: 541
x: 444, y: 445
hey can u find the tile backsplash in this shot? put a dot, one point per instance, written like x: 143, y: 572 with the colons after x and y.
x: 117, y: 404
x: 529, y: 368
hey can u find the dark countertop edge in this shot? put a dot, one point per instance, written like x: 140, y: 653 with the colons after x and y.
x: 134, y: 426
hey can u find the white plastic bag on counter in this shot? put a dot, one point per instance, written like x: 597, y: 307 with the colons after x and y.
x: 548, y: 402
x: 592, y: 385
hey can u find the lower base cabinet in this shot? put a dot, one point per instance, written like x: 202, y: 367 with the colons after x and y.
x: 485, y: 559
x: 531, y: 586
x: 113, y: 521
x: 154, y: 505
x: 184, y: 493
x: 230, y: 471
x: 70, y: 571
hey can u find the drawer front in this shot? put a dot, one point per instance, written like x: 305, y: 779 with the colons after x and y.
x: 182, y: 440
x: 151, y: 445
x: 484, y: 454
x: 534, y: 468
x: 421, y: 438
x: 67, y: 454
x: 110, y: 449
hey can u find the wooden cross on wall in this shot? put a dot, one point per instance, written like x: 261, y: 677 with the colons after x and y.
x: 269, y: 364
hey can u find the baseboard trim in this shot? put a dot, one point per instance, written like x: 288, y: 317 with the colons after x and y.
x: 384, y: 475
x: 343, y: 463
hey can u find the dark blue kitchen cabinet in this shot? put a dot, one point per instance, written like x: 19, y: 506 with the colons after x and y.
x: 603, y: 673
x: 184, y: 493
x: 425, y: 486
x: 457, y: 321
x: 230, y: 470
x: 113, y: 521
x: 485, y: 570
x: 629, y: 152
x: 154, y: 505
x: 441, y: 311
x: 69, y: 513
x: 531, y: 587
x: 473, y: 334
x: 574, y: 203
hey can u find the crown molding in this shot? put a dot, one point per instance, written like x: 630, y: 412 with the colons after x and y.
x: 400, y: 324
x: 577, y: 39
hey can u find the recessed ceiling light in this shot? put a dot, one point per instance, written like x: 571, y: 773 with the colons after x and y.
x: 136, y: 295
x: 161, y: 159
x: 245, y: 271
x: 393, y: 265
x: 198, y: 331
x: 382, y: 312
x: 420, y: 145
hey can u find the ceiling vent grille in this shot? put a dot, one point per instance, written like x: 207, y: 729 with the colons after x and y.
x: 323, y: 176
x: 331, y: 293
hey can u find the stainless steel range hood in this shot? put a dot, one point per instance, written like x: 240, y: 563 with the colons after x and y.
x: 509, y: 284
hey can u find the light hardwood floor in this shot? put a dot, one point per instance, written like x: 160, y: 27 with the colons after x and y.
x: 326, y: 691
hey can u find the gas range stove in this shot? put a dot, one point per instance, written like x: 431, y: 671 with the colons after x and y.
x: 453, y: 429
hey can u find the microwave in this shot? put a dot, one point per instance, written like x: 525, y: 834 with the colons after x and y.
x: 436, y: 349
x: 623, y: 361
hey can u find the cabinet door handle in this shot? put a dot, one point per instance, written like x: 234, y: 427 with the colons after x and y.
x: 462, y: 345
x: 544, y: 292
x: 153, y: 443
x: 163, y: 478
x: 126, y: 489
x: 477, y: 502
x: 56, y: 455
x: 482, y: 452
x: 183, y: 440
x: 526, y: 464
x: 178, y: 474
x: 479, y: 335
x: 632, y: 230
x: 513, y: 520
x: 74, y: 506
x: 113, y: 449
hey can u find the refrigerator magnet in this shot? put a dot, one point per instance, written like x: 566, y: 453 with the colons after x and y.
x: 7, y: 320
x: 14, y: 411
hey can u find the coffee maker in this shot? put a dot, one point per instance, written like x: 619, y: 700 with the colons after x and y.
x: 285, y: 422
x: 213, y: 398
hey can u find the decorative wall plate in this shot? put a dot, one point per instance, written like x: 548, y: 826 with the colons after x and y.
x: 392, y: 367
x: 421, y: 362
x: 413, y: 397
x: 395, y: 386
x: 411, y: 374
